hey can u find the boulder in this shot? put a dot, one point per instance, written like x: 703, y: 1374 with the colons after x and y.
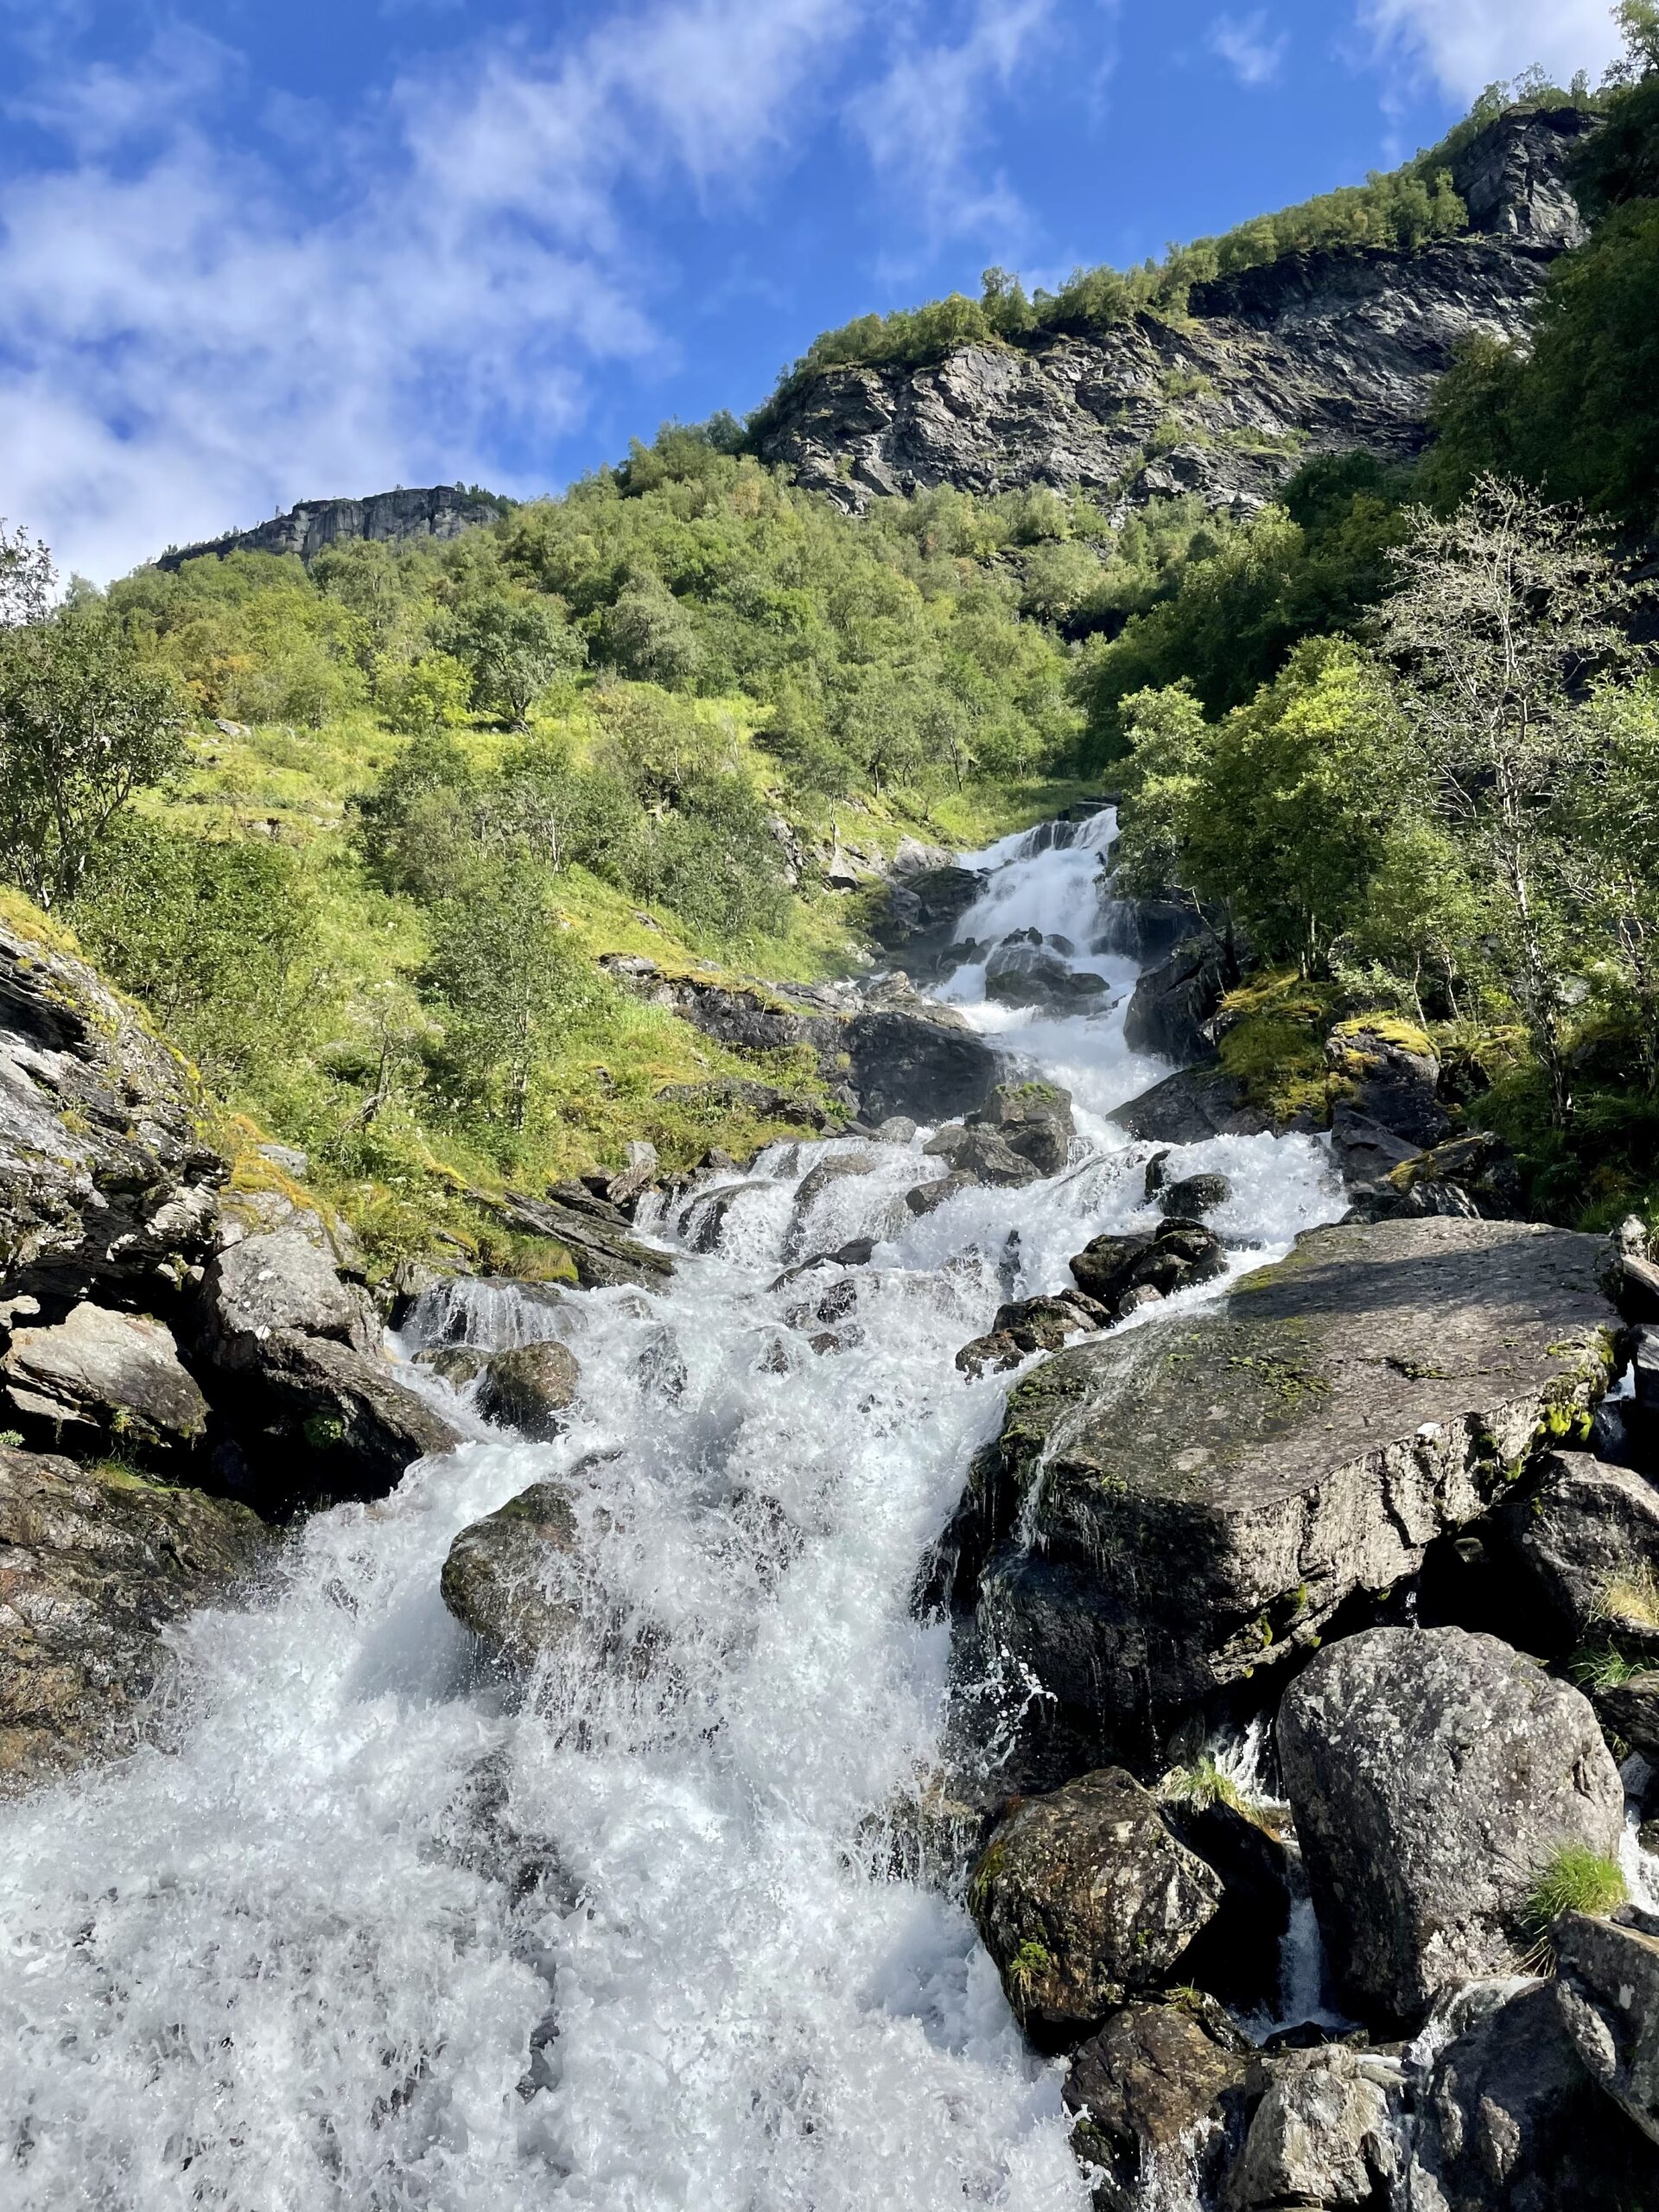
x: 1158, y: 2091
x: 1432, y: 1775
x: 1239, y: 1955
x: 1194, y: 1195
x: 1510, y: 2120
x: 983, y: 1157
x: 1631, y: 1273
x: 601, y: 1255
x: 294, y: 1353
x: 102, y: 1380
x: 1471, y: 1177
x: 1608, y: 1980
x: 1023, y: 975
x: 1629, y: 1711
x: 1391, y: 1074
x: 1171, y: 1012
x: 514, y: 1579
x: 928, y: 1198
x: 1033, y: 1119
x: 530, y: 1388
x: 831, y: 1169
x: 1191, y: 1106
x: 1031, y: 1324
x: 702, y: 1223
x: 898, y: 1129
x: 1326, y: 2133
x: 1363, y: 1152
x: 1120, y: 1272
x: 1587, y: 1545
x: 927, y: 1066
x: 1084, y: 1899
x: 1214, y: 1488
x: 107, y: 1191
x: 94, y: 1565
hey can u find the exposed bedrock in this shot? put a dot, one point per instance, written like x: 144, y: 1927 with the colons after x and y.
x: 1320, y: 353
x: 1432, y: 1775
x: 94, y: 1563
x: 1169, y: 1510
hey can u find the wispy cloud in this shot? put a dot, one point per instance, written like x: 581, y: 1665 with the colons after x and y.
x: 924, y: 123
x: 1463, y: 44
x: 1255, y: 54
x: 181, y: 341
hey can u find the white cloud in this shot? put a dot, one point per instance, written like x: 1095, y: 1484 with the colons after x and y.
x: 1244, y: 44
x: 1465, y: 45
x: 922, y: 123
x: 184, y: 350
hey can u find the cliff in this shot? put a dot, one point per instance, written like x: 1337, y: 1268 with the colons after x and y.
x: 444, y: 511
x: 1315, y: 353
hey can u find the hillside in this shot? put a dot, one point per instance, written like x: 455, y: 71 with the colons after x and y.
x: 1326, y: 352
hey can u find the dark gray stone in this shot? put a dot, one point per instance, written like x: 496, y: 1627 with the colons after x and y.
x: 1171, y: 1012
x: 102, y: 1379
x: 515, y: 1578
x: 1432, y: 1775
x: 1585, y: 1543
x: 530, y: 1388
x: 1608, y: 1977
x: 1033, y: 1119
x: 444, y: 511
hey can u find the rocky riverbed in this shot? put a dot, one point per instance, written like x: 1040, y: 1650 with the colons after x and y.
x: 1064, y: 1643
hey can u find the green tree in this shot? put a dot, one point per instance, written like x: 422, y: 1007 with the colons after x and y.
x: 84, y: 724
x: 514, y: 645
x: 1502, y: 612
x: 508, y: 983
x: 1612, y: 860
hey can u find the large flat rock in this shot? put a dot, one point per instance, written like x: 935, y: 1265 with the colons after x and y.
x: 1172, y: 1508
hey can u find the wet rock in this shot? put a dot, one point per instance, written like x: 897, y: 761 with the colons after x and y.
x: 1276, y: 1456
x: 94, y: 1565
x: 1192, y: 1106
x: 638, y: 1173
x: 1585, y: 1544
x: 293, y: 1352
x: 1157, y: 1173
x: 601, y: 1255
x: 1085, y: 1898
x: 1432, y: 1775
x: 513, y: 1579
x: 1511, y: 2120
x: 898, y: 1129
x: 106, y: 1190
x: 983, y: 1157
x: 928, y: 1198
x: 530, y: 1388
x: 100, y: 1379
x: 925, y: 1066
x: 1195, y: 1195
x: 1033, y: 1119
x: 1021, y: 975
x: 1171, y: 1012
x: 1154, y: 2094
x: 1028, y: 1325
x: 703, y: 1222
x: 1180, y: 1256
x: 1471, y: 1177
x: 456, y: 1364
x: 1609, y: 1990
x: 1391, y: 1075
x: 1326, y: 2134
x: 833, y: 1168
x: 1238, y: 1954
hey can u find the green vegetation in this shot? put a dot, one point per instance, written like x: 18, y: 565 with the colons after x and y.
x: 1602, y: 1667
x: 1573, y: 1879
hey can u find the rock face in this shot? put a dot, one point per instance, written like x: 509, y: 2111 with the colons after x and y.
x: 322, y: 1411
x: 1432, y: 1774
x: 1324, y: 2134
x: 1211, y: 1491
x: 1587, y: 1543
x: 1085, y: 1898
x: 1174, y: 1004
x: 1154, y: 2090
x: 1609, y: 1989
x: 511, y: 1579
x: 104, y: 1378
x: 1320, y: 353
x: 93, y: 1565
x: 107, y: 1187
x: 1190, y: 1106
x: 1512, y: 2120
x: 1392, y: 1080
x: 443, y: 512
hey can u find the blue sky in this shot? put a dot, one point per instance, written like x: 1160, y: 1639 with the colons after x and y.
x: 255, y: 250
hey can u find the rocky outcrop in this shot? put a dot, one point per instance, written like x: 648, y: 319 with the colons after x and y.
x: 1033, y: 1119
x: 1391, y: 1076
x: 1432, y: 1775
x: 94, y: 1563
x: 102, y: 1379
x: 594, y: 1235
x: 1609, y: 1989
x: 1326, y: 2134
x: 1169, y: 1510
x: 981, y: 1155
x: 1085, y: 1898
x: 1586, y: 1546
x: 1511, y: 2118
x: 1157, y: 2093
x: 1193, y: 1105
x: 1318, y: 353
x: 1123, y: 1273
x: 108, y: 1186
x: 1172, y: 1010
x: 514, y: 1578
x: 443, y: 512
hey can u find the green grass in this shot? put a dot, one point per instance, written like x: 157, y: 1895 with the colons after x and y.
x: 1202, y: 1784
x: 1602, y: 1667
x: 1629, y: 1598
x: 1573, y: 1879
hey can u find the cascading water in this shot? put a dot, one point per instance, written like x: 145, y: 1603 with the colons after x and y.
x: 369, y: 1933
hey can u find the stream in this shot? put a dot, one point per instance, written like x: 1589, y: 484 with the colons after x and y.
x: 366, y: 1932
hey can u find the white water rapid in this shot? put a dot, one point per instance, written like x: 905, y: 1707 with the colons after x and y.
x: 370, y: 1936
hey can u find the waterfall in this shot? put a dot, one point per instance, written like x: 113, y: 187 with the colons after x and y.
x: 368, y: 1932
